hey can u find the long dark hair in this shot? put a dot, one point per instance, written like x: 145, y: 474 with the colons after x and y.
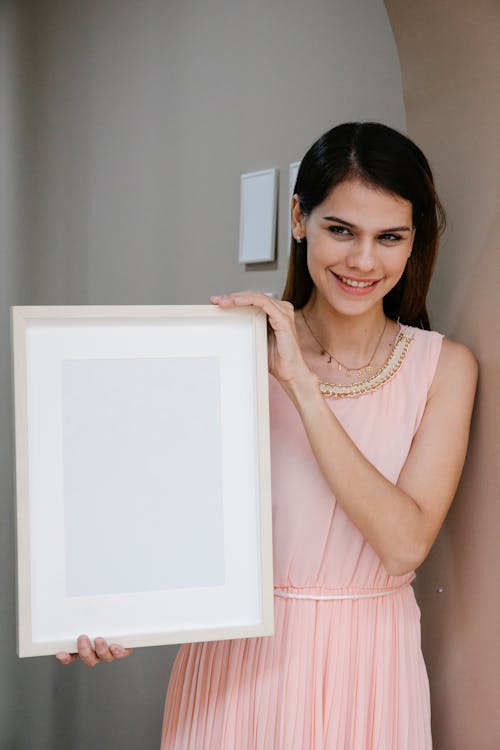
x: 387, y: 159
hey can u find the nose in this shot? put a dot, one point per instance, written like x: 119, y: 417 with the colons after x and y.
x: 362, y: 254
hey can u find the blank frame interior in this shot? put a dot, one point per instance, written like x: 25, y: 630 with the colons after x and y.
x: 142, y: 475
x: 123, y: 405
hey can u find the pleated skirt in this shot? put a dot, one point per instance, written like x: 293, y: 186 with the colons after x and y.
x: 336, y: 675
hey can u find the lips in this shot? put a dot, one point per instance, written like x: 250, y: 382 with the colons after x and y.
x: 356, y: 286
x: 354, y: 282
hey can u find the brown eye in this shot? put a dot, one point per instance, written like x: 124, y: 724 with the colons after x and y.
x: 335, y: 229
x: 390, y: 237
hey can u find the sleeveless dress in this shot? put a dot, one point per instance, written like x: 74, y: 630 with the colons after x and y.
x: 344, y: 669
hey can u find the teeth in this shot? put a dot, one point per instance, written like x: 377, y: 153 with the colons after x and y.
x: 350, y: 282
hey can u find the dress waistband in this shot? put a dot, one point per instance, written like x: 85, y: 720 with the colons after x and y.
x: 286, y: 594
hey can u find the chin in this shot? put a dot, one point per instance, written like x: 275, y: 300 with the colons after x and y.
x: 353, y: 308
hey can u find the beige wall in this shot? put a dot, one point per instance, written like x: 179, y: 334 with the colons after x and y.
x: 129, y: 126
x: 451, y: 75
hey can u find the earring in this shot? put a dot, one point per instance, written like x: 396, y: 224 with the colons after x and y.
x: 298, y: 239
x: 409, y: 254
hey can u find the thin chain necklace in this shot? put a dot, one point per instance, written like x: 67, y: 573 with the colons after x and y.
x: 349, y: 370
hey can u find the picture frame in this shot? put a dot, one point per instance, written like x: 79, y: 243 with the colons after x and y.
x: 142, y: 475
x: 258, y: 211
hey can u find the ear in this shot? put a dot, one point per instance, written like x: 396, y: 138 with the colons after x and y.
x: 298, y: 218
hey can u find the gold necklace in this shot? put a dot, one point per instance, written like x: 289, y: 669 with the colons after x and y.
x: 349, y: 370
x: 404, y: 337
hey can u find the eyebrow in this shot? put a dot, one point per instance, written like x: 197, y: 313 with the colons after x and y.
x: 353, y: 226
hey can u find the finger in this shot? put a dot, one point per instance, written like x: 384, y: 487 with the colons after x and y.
x: 119, y: 652
x: 86, y: 652
x: 102, y: 650
x: 239, y: 298
x: 280, y: 314
x: 222, y: 300
x: 276, y: 309
x: 66, y: 658
x: 268, y: 303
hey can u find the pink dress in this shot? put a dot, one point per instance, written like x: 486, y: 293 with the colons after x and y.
x: 339, y: 673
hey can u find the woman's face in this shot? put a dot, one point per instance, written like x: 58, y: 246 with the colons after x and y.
x: 358, y: 243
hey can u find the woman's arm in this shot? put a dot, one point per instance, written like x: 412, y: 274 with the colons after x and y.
x: 399, y: 521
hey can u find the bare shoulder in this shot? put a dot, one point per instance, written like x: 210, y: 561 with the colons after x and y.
x: 456, y: 356
x: 457, y: 369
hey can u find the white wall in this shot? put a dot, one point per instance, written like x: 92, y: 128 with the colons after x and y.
x: 135, y: 121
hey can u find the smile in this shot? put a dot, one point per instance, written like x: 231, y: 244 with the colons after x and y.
x: 352, y: 282
x: 355, y: 286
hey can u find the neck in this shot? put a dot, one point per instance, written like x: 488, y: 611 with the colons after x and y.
x: 350, y: 336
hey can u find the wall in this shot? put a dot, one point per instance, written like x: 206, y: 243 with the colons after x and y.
x: 146, y: 114
x: 451, y: 74
x: 129, y: 125
x: 10, y: 289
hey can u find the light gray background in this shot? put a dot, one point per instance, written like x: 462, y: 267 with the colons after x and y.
x: 124, y: 129
x: 142, y: 461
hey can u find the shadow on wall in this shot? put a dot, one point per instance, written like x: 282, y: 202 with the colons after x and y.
x: 466, y: 545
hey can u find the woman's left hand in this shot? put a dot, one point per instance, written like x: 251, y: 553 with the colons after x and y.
x: 286, y: 362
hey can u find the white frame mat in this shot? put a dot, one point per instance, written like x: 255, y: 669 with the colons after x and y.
x: 142, y: 475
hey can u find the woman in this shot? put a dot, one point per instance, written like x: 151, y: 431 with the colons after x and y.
x: 370, y: 415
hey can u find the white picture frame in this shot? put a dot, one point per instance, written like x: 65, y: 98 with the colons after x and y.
x: 258, y: 209
x: 142, y: 475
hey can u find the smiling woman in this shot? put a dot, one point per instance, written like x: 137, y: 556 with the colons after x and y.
x: 388, y: 166
x: 370, y: 413
x: 355, y: 257
x: 370, y: 416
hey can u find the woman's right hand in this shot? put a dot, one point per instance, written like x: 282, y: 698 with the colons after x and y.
x: 92, y: 656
